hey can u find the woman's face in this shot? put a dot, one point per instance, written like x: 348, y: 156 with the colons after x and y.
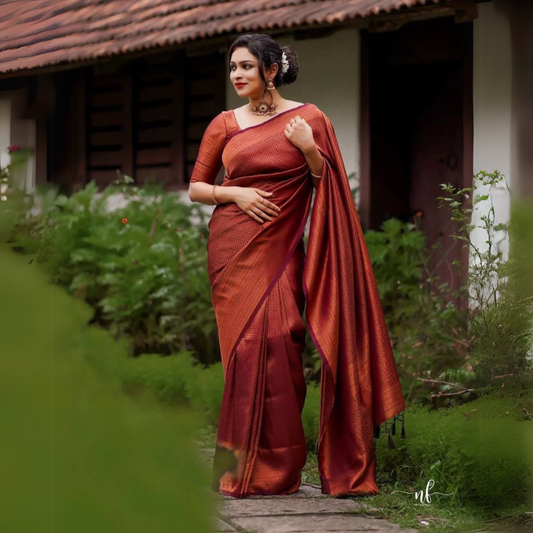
x: 244, y: 73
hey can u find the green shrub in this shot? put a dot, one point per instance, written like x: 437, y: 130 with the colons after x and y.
x: 479, y: 452
x: 205, y: 392
x: 397, y: 253
x: 142, y: 267
x: 423, y: 320
x: 166, y: 376
x: 503, y: 337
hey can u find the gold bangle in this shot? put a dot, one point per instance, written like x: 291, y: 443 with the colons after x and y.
x: 213, y: 195
x: 314, y: 176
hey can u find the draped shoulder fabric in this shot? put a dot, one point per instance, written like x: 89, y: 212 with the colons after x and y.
x: 262, y: 279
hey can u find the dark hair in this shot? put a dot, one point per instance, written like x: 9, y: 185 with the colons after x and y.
x: 268, y: 52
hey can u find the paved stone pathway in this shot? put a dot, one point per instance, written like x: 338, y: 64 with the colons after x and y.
x: 307, y: 510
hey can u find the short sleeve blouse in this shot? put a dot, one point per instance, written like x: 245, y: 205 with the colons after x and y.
x: 209, y: 160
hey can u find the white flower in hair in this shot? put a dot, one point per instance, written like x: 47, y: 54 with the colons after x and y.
x: 284, y: 63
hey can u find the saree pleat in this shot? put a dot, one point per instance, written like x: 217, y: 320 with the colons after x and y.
x: 267, y: 332
x: 262, y: 280
x: 266, y: 434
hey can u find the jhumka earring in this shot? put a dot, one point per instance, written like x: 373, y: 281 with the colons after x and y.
x: 263, y: 108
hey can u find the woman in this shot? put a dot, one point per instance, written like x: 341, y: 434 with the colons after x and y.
x: 275, y: 151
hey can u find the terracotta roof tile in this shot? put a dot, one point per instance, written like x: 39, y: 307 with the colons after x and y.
x: 36, y: 33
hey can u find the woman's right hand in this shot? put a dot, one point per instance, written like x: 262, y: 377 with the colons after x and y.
x: 253, y: 202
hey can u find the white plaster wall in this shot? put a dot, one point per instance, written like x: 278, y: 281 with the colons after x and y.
x: 5, y: 130
x: 5, y: 134
x: 493, y: 129
x: 23, y: 133
x: 16, y: 130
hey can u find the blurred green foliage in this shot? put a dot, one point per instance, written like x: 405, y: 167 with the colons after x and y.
x: 78, y: 454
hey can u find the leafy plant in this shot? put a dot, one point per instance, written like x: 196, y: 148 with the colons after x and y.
x: 486, y: 273
x: 424, y: 322
x: 500, y: 318
x: 141, y: 264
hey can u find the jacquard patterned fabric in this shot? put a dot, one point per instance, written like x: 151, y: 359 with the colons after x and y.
x: 261, y: 279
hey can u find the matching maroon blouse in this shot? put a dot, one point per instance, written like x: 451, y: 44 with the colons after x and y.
x: 209, y: 160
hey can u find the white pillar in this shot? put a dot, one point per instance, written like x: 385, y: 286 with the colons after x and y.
x: 493, y: 132
x: 19, y: 131
x: 5, y: 131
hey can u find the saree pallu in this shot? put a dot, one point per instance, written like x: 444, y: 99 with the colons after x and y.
x: 262, y: 279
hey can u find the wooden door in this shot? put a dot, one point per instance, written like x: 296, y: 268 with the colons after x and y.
x: 419, y: 129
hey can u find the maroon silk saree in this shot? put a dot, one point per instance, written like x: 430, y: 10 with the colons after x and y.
x: 261, y: 279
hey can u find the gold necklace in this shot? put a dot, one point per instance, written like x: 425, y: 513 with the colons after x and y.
x: 263, y: 109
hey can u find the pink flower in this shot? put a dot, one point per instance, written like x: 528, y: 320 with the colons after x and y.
x: 469, y: 368
x: 13, y: 148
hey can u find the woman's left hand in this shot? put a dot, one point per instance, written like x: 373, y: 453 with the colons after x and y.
x: 300, y: 134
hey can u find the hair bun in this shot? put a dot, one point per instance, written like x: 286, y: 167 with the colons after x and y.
x: 292, y: 73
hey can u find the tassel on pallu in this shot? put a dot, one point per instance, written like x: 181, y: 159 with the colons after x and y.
x: 389, y: 429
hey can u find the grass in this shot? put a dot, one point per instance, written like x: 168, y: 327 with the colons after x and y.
x: 79, y: 454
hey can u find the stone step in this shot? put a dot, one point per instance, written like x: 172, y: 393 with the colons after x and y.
x: 307, y: 510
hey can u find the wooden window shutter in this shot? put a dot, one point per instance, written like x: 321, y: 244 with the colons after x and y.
x: 109, y: 125
x: 158, y: 119
x: 147, y: 118
x: 206, y: 98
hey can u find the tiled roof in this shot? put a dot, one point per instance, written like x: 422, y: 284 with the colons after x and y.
x: 36, y: 33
